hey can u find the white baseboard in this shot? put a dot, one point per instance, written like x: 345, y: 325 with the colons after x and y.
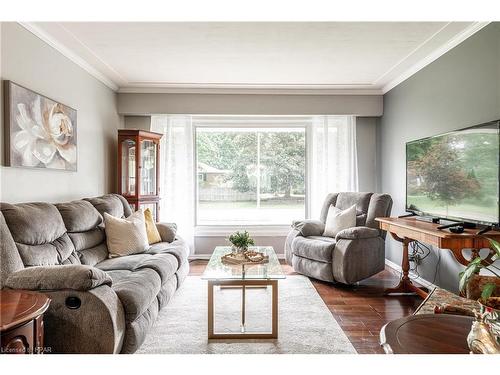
x: 200, y: 257
x: 413, y: 276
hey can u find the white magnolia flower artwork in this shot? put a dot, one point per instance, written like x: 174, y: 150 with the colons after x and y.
x: 42, y: 131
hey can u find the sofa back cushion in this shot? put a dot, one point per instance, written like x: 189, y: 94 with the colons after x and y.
x: 380, y: 206
x: 345, y: 200
x: 113, y: 204
x: 84, y: 225
x: 39, y: 233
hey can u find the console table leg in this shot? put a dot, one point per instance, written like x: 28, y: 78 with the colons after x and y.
x: 405, y: 284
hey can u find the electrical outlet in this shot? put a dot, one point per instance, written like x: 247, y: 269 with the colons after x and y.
x: 418, y: 259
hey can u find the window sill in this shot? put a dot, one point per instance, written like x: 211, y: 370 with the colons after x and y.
x: 254, y: 230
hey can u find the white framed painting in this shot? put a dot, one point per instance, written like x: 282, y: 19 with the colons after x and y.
x: 39, y: 132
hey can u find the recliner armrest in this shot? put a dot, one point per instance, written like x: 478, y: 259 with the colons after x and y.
x: 357, y: 233
x: 76, y: 277
x: 309, y: 227
x: 167, y: 231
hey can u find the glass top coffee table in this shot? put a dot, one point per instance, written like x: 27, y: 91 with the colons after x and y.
x: 243, y: 277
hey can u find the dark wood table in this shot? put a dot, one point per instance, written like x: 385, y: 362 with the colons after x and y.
x: 427, y: 334
x: 21, y: 321
x: 409, y: 229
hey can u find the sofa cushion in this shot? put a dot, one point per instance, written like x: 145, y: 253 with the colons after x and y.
x: 79, y: 216
x: 137, y: 330
x: 318, y: 270
x: 84, y: 225
x: 309, y: 227
x: 94, y: 255
x: 314, y: 248
x: 178, y: 248
x: 40, y: 234
x: 137, y: 290
x: 88, y: 239
x: 380, y: 206
x: 167, y: 231
x: 165, y: 265
x: 58, y: 252
x: 113, y: 204
x: 347, y: 199
x: 129, y: 262
x: 166, y: 292
x: 73, y: 276
x: 33, y: 223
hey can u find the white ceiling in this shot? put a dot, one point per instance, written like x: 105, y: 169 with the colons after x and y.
x: 314, y: 57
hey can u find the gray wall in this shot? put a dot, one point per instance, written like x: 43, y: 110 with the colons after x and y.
x: 366, y: 142
x: 460, y: 89
x: 249, y: 104
x: 137, y: 122
x: 28, y: 61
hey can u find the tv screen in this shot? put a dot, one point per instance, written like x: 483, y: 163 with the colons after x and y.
x: 456, y: 175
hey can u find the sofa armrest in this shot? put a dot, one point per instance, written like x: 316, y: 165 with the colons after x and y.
x: 309, y: 227
x: 76, y: 277
x: 357, y: 233
x: 167, y: 231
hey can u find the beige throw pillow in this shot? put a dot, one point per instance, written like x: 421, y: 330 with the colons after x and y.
x: 126, y: 236
x: 337, y: 220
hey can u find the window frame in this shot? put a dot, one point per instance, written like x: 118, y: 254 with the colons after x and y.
x: 250, y: 122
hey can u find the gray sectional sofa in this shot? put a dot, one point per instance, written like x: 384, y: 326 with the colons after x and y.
x: 354, y: 254
x: 99, y: 304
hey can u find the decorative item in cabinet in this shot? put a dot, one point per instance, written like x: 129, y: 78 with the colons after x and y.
x: 139, y: 168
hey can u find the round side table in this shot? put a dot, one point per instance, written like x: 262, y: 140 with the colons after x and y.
x: 21, y: 321
x: 427, y: 334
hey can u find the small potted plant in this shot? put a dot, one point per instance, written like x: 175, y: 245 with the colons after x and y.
x: 482, y: 287
x: 241, y: 241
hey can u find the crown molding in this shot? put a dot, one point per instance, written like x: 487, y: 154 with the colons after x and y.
x: 51, y: 41
x: 250, y: 90
x: 374, y: 88
x: 459, y: 38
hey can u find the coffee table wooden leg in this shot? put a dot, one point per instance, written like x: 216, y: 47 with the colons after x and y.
x: 210, y: 310
x: 243, y: 284
x: 274, y: 286
x: 243, y: 296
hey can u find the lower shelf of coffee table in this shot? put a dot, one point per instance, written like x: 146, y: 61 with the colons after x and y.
x: 243, y: 284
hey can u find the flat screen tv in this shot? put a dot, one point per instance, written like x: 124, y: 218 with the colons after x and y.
x: 455, y: 175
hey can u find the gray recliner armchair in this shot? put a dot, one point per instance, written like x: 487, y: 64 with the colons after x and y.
x: 354, y: 254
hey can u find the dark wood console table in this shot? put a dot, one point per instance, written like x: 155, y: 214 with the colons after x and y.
x: 407, y: 230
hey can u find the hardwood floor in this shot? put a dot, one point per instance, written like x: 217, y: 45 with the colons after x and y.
x: 360, y: 310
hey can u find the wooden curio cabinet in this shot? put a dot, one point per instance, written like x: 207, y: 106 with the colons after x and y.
x: 139, y: 169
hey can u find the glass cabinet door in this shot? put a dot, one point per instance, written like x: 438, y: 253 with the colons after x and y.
x: 148, y: 167
x: 128, y: 167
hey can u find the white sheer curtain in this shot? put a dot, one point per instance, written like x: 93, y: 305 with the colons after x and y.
x: 333, y: 164
x: 177, y: 203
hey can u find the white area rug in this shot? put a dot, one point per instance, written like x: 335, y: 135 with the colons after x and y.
x: 306, y: 326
